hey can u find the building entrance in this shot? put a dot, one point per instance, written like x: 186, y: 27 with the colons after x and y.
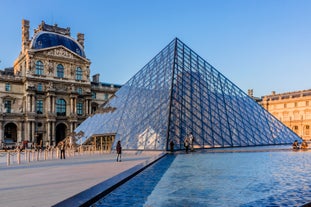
x: 10, y: 132
x: 60, y: 132
x: 101, y: 142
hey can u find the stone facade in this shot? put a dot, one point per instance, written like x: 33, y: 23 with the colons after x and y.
x: 293, y: 109
x: 48, y: 91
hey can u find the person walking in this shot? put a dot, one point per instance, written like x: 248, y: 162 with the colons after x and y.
x: 62, y: 150
x: 119, y: 151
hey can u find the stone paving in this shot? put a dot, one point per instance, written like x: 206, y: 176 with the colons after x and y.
x: 45, y: 183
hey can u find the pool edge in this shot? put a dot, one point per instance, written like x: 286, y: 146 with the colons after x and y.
x: 94, y: 193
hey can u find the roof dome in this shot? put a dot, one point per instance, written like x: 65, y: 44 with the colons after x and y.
x: 45, y: 39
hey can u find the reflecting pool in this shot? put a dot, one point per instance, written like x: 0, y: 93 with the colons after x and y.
x: 239, y: 177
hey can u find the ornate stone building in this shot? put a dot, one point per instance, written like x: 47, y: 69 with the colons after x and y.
x: 48, y: 92
x: 293, y: 109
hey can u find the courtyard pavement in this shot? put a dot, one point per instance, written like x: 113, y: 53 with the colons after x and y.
x: 46, y: 183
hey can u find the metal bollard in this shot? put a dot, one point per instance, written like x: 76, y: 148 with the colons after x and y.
x: 33, y: 155
x: 18, y: 157
x: 25, y: 154
x: 29, y: 156
x: 8, y: 159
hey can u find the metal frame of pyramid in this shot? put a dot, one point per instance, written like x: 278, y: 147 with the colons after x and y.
x: 178, y: 93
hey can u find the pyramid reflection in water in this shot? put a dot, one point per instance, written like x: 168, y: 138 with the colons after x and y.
x: 178, y: 93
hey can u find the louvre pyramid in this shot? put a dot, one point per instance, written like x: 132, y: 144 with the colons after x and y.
x: 178, y: 93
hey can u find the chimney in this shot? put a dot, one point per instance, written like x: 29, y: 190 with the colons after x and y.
x: 80, y: 39
x: 250, y: 92
x: 25, y: 35
x: 96, y: 78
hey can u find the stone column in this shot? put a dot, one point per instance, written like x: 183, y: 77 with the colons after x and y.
x: 33, y: 104
x: 53, y: 132
x: 19, y: 132
x: 71, y: 105
x: 33, y: 131
x: 1, y: 131
x: 75, y: 105
x: 48, y: 103
x: 28, y: 101
x: 48, y: 132
x: 27, y: 131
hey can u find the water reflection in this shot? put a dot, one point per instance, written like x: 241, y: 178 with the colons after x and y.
x: 261, y: 178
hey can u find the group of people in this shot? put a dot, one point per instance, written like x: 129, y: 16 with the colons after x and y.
x: 188, y: 143
x: 296, y: 146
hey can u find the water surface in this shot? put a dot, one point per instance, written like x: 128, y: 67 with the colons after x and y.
x: 220, y: 178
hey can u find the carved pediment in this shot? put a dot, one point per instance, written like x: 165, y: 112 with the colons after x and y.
x: 60, y: 51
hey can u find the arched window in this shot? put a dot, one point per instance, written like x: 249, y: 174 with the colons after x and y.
x: 60, y: 71
x: 61, y: 107
x: 39, y: 68
x: 78, y: 73
x: 80, y: 108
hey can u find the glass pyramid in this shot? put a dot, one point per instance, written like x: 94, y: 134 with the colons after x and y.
x: 178, y: 93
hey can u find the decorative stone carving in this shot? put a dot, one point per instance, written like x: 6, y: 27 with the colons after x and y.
x: 60, y: 53
x: 50, y: 67
x: 72, y: 70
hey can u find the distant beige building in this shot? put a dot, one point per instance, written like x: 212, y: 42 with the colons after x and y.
x: 293, y: 109
x: 48, y: 91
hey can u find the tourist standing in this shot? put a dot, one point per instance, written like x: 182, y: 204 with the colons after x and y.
x: 304, y: 145
x: 191, y: 138
x: 62, y: 150
x: 172, y: 146
x: 295, y: 145
x: 119, y: 151
x: 186, y: 144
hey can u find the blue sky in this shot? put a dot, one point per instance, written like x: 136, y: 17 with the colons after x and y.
x: 260, y: 44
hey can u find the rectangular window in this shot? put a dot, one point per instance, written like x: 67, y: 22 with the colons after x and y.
x: 40, y: 87
x: 7, y: 87
x: 39, y: 107
x: 7, y: 106
x: 80, y: 108
x: 93, y: 95
x: 106, y: 96
x: 79, y: 91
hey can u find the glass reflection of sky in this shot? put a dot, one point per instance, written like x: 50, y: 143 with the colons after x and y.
x: 262, y: 178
